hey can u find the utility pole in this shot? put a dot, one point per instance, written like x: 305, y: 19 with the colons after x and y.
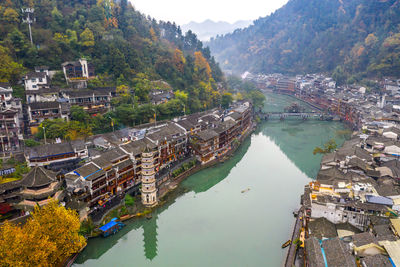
x: 29, y: 11
x: 44, y: 134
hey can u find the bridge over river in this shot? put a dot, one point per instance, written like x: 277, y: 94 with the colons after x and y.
x: 296, y: 115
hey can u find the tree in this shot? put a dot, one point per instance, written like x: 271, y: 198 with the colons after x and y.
x: 123, y: 90
x: 181, y: 96
x: 142, y: 87
x: 19, y: 247
x: 10, y: 71
x: 327, y: 148
x: 87, y: 38
x: 10, y: 15
x: 339, y: 76
x: 49, y: 237
x: 257, y: 98
x: 79, y: 114
x: 153, y: 35
x: 179, y: 60
x: 226, y: 100
x: 129, y: 200
x: 31, y: 143
x: 201, y: 65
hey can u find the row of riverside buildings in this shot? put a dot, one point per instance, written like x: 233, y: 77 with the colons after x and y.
x: 89, y: 175
x: 352, y: 104
x: 349, y: 214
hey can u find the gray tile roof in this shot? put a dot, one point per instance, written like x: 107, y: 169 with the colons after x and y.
x: 89, y: 171
x: 207, y: 134
x: 138, y: 146
x: 314, y: 253
x: 44, y: 105
x: 378, y: 260
x: 37, y: 177
x: 338, y: 253
x: 35, y: 74
x: 365, y: 238
x: 330, y: 174
x: 322, y: 228
x: 50, y: 149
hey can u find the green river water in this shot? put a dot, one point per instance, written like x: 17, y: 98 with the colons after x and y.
x: 211, y: 222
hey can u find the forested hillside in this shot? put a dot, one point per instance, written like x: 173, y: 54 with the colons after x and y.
x: 349, y: 37
x: 126, y: 47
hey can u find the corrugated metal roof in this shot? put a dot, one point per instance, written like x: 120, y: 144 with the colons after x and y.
x: 379, y: 200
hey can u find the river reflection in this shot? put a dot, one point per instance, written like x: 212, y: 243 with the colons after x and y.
x: 209, y: 221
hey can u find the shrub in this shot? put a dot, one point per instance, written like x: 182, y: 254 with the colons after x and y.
x: 129, y: 200
x: 31, y: 143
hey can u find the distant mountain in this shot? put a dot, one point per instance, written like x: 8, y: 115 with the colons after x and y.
x: 208, y: 28
x: 353, y: 37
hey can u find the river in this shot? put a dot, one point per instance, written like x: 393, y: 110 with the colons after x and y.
x: 211, y: 222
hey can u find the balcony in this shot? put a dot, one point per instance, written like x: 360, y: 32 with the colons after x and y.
x: 148, y: 173
x: 147, y: 155
x: 149, y: 189
x: 45, y: 116
x: 148, y: 180
x: 148, y: 166
x: 147, y: 160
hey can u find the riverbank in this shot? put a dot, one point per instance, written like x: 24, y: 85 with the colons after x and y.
x: 208, y: 221
x: 170, y: 185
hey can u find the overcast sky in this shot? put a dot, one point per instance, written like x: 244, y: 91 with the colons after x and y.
x: 184, y: 11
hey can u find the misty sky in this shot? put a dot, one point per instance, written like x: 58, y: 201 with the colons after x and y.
x: 184, y: 11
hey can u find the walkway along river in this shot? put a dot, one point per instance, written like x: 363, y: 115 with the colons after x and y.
x: 235, y: 214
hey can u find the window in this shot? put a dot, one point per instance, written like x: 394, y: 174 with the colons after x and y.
x: 34, y: 86
x: 41, y: 80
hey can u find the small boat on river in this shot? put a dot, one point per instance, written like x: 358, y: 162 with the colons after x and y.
x: 287, y: 243
x: 111, y: 227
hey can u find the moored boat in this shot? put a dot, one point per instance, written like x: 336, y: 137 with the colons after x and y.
x: 111, y: 227
x: 287, y: 243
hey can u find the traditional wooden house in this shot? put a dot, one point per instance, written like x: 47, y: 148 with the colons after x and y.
x: 205, y: 145
x: 78, y: 72
x: 57, y: 156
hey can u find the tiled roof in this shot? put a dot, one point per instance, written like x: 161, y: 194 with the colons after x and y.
x: 207, y: 134
x: 44, y: 105
x: 49, y: 150
x: 38, y: 177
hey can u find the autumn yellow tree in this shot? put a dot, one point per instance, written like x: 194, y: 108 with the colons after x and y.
x: 10, y: 71
x: 182, y: 96
x: 19, y: 247
x: 87, y: 38
x: 179, y: 60
x: 201, y: 65
x: 123, y: 90
x: 153, y: 35
x: 10, y: 15
x: 47, y: 239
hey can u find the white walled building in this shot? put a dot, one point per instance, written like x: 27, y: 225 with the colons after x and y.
x: 36, y: 81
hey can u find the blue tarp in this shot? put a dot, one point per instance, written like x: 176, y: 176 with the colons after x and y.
x: 108, y: 226
x: 379, y: 200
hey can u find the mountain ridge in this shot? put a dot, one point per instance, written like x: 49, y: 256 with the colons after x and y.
x: 358, y: 37
x: 208, y: 28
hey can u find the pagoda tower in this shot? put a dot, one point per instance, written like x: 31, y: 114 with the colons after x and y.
x: 149, y: 188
